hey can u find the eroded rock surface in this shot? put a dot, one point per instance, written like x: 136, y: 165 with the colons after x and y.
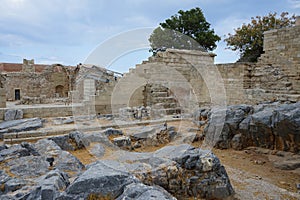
x: 182, y: 170
x: 173, y: 171
x: 273, y: 126
x: 20, y: 125
x: 26, y: 174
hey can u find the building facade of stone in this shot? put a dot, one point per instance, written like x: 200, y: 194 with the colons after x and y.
x: 36, y: 81
x: 196, y: 80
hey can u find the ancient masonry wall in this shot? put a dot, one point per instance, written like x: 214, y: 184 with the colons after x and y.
x: 183, y: 72
x: 37, y: 81
x: 95, y: 85
x: 277, y: 73
x: 276, y: 76
x: 46, y: 111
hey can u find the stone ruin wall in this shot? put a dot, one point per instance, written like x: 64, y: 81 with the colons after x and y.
x: 94, y: 85
x: 169, y: 69
x: 54, y: 81
x: 275, y: 77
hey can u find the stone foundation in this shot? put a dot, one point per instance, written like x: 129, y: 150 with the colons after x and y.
x: 44, y: 112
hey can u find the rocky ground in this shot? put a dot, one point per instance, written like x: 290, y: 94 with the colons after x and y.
x: 258, y: 146
x: 254, y: 176
x: 253, y: 172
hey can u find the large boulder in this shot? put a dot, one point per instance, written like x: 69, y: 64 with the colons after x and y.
x: 223, y: 124
x: 152, y: 136
x: 273, y: 126
x: 101, y: 180
x: 286, y: 127
x: 182, y: 170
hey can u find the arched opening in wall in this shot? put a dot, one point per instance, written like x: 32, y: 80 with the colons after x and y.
x: 59, y: 91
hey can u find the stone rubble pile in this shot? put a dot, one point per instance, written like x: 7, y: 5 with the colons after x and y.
x: 134, y: 113
x: 44, y: 170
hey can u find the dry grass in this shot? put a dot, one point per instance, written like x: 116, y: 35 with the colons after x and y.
x: 2, y: 187
x: 99, y: 197
x: 84, y: 156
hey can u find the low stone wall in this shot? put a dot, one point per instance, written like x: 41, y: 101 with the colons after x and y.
x: 44, y: 112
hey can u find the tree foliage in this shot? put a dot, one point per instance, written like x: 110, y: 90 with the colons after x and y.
x: 248, y: 39
x: 185, y: 30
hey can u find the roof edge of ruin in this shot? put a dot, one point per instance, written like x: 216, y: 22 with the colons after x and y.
x: 191, y: 52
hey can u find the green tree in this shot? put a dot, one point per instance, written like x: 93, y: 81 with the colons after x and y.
x: 248, y: 39
x: 185, y: 30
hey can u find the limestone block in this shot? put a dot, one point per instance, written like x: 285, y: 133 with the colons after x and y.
x: 13, y: 114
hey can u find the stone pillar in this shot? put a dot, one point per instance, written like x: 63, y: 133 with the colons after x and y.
x: 2, y: 98
x: 28, y: 66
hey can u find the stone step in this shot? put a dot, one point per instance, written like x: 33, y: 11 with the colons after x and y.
x: 166, y: 105
x: 170, y: 111
x: 163, y: 100
x: 159, y: 89
x: 159, y: 94
x: 12, y: 138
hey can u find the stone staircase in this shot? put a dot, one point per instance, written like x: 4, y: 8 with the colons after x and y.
x: 160, y: 99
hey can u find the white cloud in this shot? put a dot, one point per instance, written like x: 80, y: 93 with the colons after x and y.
x: 49, y: 61
x: 12, y: 40
x: 227, y: 25
x: 294, y: 3
x: 34, y: 27
x: 140, y: 20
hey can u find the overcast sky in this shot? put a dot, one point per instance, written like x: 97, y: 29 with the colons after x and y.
x: 68, y: 31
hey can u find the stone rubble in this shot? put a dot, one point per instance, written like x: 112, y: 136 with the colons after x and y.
x: 171, y: 171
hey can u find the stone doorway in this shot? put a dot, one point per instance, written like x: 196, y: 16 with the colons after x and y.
x: 17, y: 94
x: 59, y: 91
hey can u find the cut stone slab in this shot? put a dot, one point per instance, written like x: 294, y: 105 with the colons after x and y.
x: 13, y: 114
x: 288, y: 164
x: 144, y: 133
x: 122, y: 141
x: 21, y: 125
